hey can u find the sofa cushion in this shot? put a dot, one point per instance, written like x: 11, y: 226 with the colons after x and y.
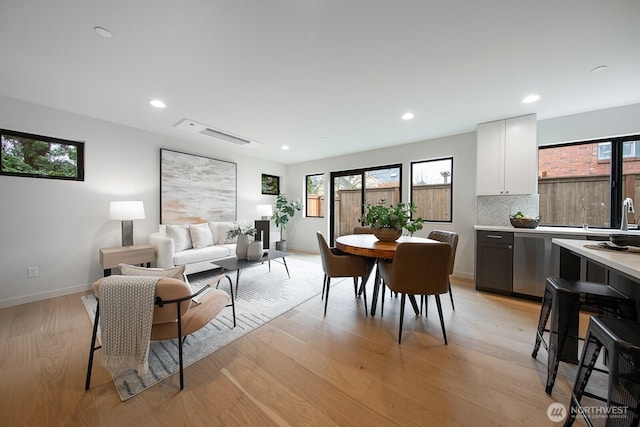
x: 180, y: 235
x: 133, y: 270
x: 205, y: 254
x: 201, y: 236
x: 223, y: 230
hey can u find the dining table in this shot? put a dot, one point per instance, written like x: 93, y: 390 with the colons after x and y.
x: 368, y: 245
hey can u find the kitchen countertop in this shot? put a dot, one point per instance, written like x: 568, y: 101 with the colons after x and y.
x: 578, y: 231
x: 624, y: 262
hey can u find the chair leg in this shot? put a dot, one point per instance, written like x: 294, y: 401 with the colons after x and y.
x: 93, y: 347
x: 326, y: 298
x: 402, y: 300
x: 444, y: 333
x: 451, y: 296
x: 384, y: 285
x: 355, y: 287
x: 324, y: 283
x: 179, y: 310
x: 363, y: 289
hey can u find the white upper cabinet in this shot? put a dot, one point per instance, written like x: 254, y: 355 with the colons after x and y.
x: 507, y: 157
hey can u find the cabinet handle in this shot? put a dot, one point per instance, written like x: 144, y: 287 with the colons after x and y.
x: 510, y: 246
x: 493, y: 236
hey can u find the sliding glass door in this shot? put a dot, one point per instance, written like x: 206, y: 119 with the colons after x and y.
x: 350, y: 188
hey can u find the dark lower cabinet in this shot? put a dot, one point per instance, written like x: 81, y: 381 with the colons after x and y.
x: 494, y: 261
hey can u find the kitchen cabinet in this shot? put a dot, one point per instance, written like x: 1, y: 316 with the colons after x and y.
x: 494, y: 261
x: 507, y: 157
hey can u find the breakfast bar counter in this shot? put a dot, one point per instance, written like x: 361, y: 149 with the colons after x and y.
x: 622, y: 267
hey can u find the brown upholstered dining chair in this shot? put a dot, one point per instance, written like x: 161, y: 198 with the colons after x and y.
x: 452, y: 239
x: 177, y: 311
x: 362, y: 229
x: 418, y: 269
x: 339, y: 264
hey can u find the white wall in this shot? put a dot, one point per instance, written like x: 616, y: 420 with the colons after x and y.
x: 301, y: 232
x: 59, y: 226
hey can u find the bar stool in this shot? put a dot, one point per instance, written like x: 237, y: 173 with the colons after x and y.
x: 563, y: 299
x: 621, y: 339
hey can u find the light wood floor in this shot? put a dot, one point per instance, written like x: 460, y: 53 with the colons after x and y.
x: 299, y: 369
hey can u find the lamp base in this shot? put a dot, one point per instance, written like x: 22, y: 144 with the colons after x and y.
x: 127, y: 233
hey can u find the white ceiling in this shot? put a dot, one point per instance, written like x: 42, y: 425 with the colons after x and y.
x: 326, y: 77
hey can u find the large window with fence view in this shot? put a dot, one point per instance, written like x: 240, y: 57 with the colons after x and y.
x: 431, y: 189
x: 586, y: 182
x: 314, y: 190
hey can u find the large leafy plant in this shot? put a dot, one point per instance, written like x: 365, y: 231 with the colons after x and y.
x: 284, y: 210
x: 398, y: 217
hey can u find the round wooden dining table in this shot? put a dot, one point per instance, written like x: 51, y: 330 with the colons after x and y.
x: 368, y: 245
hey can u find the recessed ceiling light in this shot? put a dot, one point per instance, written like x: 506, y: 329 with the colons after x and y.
x: 157, y: 103
x: 285, y: 147
x: 103, y: 32
x: 599, y: 68
x: 530, y: 98
x: 407, y: 116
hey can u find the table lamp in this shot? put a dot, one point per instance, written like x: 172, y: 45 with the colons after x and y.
x: 126, y: 211
x: 265, y: 211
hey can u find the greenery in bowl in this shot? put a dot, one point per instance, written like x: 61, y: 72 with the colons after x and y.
x: 397, y: 217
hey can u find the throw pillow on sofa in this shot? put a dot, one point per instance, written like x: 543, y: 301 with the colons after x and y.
x: 180, y: 235
x: 172, y: 272
x: 201, y: 236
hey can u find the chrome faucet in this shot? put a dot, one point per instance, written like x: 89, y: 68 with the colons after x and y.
x: 627, y: 207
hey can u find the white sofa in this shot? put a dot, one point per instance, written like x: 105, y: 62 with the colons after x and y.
x: 193, y: 245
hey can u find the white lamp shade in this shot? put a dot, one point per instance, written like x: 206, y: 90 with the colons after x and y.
x: 126, y: 210
x: 264, y: 210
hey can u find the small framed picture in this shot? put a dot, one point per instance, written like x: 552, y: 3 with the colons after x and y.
x: 270, y: 184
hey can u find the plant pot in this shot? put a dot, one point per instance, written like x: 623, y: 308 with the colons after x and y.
x: 254, y: 252
x: 242, y: 244
x: 281, y: 245
x: 387, y: 234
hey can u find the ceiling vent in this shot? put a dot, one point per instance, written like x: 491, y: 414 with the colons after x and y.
x: 195, y: 127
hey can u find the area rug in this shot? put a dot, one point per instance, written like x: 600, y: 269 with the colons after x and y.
x: 262, y: 296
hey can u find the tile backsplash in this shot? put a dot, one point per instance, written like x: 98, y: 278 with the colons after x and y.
x: 495, y: 210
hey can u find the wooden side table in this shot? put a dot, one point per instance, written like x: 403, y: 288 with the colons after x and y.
x: 112, y: 257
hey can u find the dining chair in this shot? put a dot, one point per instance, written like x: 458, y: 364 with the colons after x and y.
x: 418, y: 269
x: 452, y: 239
x: 338, y: 264
x: 177, y: 312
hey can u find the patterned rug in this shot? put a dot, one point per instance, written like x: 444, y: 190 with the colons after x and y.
x: 262, y: 296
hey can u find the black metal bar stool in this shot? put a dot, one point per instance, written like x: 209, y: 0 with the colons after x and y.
x: 563, y: 300
x: 621, y: 339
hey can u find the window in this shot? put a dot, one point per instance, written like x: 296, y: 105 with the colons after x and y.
x: 431, y: 189
x: 314, y: 195
x: 351, y: 191
x: 630, y: 149
x: 37, y: 156
x: 585, y: 183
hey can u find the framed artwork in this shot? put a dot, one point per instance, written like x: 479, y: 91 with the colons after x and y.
x: 37, y: 156
x: 196, y: 189
x: 270, y: 184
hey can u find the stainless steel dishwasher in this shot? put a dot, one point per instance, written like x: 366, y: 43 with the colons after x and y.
x: 534, y: 259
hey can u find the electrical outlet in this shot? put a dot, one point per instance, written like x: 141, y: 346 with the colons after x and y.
x: 33, y: 272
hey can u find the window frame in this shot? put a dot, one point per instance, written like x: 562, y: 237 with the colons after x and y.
x: 79, y: 162
x: 413, y: 163
x: 306, y: 194
x: 616, y: 172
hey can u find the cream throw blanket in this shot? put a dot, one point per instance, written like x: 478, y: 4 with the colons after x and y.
x: 126, y: 317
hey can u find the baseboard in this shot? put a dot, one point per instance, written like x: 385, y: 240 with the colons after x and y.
x: 9, y: 302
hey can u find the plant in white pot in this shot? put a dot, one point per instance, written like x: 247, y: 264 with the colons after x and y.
x: 283, y: 211
x: 242, y: 232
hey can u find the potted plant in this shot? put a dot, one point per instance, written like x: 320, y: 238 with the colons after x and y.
x: 389, y: 221
x: 284, y: 210
x: 242, y: 232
